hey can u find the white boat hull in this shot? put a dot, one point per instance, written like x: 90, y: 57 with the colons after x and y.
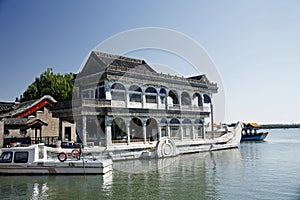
x: 53, y: 170
x: 39, y: 161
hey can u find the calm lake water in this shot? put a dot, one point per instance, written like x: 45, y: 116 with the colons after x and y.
x: 257, y: 170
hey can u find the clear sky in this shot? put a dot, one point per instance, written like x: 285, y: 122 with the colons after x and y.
x: 255, y: 45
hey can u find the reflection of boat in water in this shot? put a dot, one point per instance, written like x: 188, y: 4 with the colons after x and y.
x: 37, y: 159
x: 171, y: 164
x: 56, y: 187
x: 142, y: 166
x: 250, y: 132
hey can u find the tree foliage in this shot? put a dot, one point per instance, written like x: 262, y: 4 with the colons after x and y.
x: 60, y: 87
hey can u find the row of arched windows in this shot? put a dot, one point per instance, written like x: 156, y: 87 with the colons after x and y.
x: 136, y: 129
x: 154, y: 95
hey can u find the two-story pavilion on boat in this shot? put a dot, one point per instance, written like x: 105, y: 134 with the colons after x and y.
x: 125, y: 108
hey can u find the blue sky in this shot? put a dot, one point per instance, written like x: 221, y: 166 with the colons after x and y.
x: 254, y: 44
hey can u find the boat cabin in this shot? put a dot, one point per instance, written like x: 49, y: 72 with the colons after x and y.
x: 22, y: 155
x: 250, y: 129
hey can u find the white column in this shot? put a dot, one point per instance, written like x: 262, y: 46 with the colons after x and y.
x: 166, y: 102
x: 128, y: 132
x: 143, y: 100
x: 168, y: 131
x: 179, y: 99
x: 126, y: 99
x: 144, y: 133
x: 108, y: 135
x: 158, y: 101
x: 212, y: 120
x: 203, y: 132
x: 83, y: 130
x: 193, y: 132
x: 181, y: 132
x: 159, y: 132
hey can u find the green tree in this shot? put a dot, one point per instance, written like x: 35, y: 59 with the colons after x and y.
x: 60, y: 87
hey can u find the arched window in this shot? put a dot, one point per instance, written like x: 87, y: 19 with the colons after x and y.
x: 135, y: 93
x: 117, y: 86
x: 199, y: 129
x: 162, y: 94
x: 136, y: 130
x: 118, y: 130
x: 163, y: 91
x: 163, y: 125
x: 207, y: 98
x: 197, y: 100
x: 185, y: 99
x: 174, y: 128
x: 151, y: 95
x: 151, y: 129
x: 118, y: 92
x: 173, y: 98
x: 187, y: 129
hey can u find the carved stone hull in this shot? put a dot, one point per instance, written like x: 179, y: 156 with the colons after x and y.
x: 167, y: 147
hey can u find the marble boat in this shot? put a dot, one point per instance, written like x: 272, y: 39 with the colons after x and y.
x: 221, y: 138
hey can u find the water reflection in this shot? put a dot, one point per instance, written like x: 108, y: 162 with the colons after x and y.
x: 192, y: 176
x: 39, y: 191
x: 254, y: 171
x: 55, y: 187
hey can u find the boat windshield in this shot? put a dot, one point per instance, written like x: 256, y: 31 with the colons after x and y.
x: 6, y: 157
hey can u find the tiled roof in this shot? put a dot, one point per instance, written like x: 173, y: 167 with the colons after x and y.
x: 199, y: 77
x: 99, y: 61
x: 23, y: 122
x: 20, y: 108
x: 15, y: 121
x: 29, y: 104
x: 6, y: 106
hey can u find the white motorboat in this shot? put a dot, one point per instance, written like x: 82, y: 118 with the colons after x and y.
x: 39, y: 159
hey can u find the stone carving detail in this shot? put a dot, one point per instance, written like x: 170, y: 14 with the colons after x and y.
x: 166, y: 148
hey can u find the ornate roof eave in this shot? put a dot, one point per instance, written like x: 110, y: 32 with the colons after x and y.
x: 131, y: 74
x: 183, y: 84
x: 39, y: 103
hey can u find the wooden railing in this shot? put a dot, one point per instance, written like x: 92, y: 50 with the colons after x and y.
x: 51, y: 140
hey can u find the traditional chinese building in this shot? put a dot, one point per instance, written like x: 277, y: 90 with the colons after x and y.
x: 32, y: 122
x: 123, y: 102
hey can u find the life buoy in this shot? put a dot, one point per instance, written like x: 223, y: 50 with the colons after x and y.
x: 62, y: 156
x: 75, y: 153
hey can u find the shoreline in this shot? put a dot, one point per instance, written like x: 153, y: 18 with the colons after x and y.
x: 279, y: 126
